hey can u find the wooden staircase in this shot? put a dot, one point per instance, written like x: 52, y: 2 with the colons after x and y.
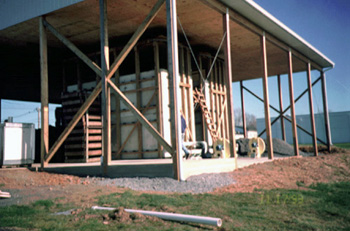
x: 84, y: 144
x: 200, y: 99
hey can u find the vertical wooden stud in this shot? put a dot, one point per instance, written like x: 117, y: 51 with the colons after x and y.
x: 175, y: 101
x: 311, y: 105
x: 269, y: 144
x: 159, y: 94
x: 292, y: 106
x: 138, y: 99
x: 192, y: 123
x: 243, y: 110
x: 325, y: 111
x: 228, y: 82
x: 44, y: 93
x: 105, y: 102
x: 283, y: 130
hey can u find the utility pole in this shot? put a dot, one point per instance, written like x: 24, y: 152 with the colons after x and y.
x: 38, y: 110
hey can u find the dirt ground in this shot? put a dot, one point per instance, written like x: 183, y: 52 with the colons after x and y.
x: 27, y: 186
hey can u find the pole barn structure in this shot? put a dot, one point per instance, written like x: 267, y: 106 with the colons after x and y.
x: 125, y: 71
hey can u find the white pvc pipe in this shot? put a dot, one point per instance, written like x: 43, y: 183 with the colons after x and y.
x: 171, y: 216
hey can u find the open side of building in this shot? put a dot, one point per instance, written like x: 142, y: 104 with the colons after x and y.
x: 123, y: 71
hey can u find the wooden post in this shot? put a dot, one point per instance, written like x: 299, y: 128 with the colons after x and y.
x: 192, y: 122
x: 138, y: 98
x: 283, y: 131
x: 105, y: 101
x: 228, y: 83
x: 159, y: 94
x: 269, y: 144
x: 292, y: 106
x: 311, y: 105
x: 44, y: 93
x: 175, y: 100
x: 243, y: 110
x: 325, y: 111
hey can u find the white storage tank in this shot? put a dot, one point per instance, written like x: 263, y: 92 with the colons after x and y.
x: 17, y: 143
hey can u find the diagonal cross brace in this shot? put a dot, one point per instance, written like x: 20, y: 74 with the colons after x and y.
x: 121, y: 57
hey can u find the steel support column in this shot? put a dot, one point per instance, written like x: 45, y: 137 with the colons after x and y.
x: 325, y: 111
x: 292, y: 106
x: 311, y: 105
x: 269, y: 144
x: 44, y: 93
x: 243, y: 110
x: 228, y: 83
x: 283, y: 130
x: 175, y: 97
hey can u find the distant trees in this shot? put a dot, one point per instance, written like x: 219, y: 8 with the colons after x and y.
x: 250, y: 119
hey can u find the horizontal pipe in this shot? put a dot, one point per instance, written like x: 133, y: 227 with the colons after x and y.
x: 202, y: 143
x: 171, y: 216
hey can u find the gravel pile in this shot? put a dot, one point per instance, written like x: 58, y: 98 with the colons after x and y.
x: 195, y: 184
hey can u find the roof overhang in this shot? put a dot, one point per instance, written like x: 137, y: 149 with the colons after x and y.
x: 266, y: 21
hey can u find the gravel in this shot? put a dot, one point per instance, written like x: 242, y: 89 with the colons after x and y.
x: 203, y: 183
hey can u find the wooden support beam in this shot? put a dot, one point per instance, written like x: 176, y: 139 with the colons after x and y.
x: 325, y: 111
x: 311, y: 106
x: 269, y: 144
x: 241, y: 20
x: 105, y: 99
x: 292, y: 106
x: 283, y: 130
x: 121, y: 57
x: 243, y: 110
x: 136, y: 125
x: 73, y: 48
x: 138, y: 97
x: 133, y: 40
x: 175, y: 100
x: 228, y: 83
x: 192, y: 122
x: 159, y: 100
x: 44, y: 93
x: 140, y: 117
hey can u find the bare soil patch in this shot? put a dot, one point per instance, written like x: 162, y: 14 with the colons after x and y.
x: 27, y: 186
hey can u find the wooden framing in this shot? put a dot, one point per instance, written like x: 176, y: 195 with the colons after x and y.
x: 228, y: 83
x: 173, y: 69
x: 269, y: 144
x: 44, y: 92
x: 120, y: 58
x: 243, y: 110
x: 283, y: 130
x: 325, y: 111
x: 311, y: 107
x: 292, y: 107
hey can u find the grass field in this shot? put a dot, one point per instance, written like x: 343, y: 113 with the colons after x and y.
x: 343, y: 145
x: 320, y: 207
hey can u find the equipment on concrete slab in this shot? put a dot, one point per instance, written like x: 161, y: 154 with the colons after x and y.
x: 221, y: 148
x: 256, y: 147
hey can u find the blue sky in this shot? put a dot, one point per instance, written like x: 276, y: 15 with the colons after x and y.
x: 325, y: 24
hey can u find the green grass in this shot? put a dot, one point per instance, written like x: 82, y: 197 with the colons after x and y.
x: 343, y: 145
x: 322, y: 207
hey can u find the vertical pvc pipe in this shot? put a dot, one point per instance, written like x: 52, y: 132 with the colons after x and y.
x: 283, y: 130
x: 269, y: 144
x: 311, y: 105
x: 105, y: 101
x: 175, y: 97
x: 292, y: 106
x: 44, y: 93
x: 325, y: 111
